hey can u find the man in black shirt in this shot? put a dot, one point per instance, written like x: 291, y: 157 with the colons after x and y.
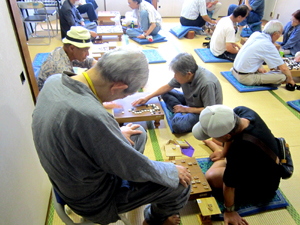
x: 247, y: 174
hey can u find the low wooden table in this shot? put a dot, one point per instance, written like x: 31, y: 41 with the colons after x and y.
x: 97, y: 50
x: 127, y: 113
x: 105, y: 16
x: 110, y: 31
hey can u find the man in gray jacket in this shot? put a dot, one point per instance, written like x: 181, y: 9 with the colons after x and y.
x: 95, y: 166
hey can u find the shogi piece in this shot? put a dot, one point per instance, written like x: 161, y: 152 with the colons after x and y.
x: 151, y: 111
x: 199, y: 186
x: 208, y: 207
x: 190, y: 34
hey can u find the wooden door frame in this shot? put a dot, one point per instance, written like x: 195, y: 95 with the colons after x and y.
x: 18, y: 28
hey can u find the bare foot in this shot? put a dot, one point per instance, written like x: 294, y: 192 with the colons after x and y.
x: 172, y: 220
x: 212, y: 145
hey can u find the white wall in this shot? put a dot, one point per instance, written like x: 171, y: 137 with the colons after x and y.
x: 24, y: 186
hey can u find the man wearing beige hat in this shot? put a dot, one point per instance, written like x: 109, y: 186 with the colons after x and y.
x: 242, y: 171
x: 72, y: 54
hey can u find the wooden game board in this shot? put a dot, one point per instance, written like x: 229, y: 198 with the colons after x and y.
x: 200, y: 186
x: 110, y: 31
x: 105, y: 16
x: 126, y: 114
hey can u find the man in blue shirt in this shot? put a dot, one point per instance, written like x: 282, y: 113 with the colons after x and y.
x: 255, y: 15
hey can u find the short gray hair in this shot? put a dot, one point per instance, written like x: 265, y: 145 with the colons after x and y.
x: 125, y: 64
x: 273, y: 26
x: 184, y: 63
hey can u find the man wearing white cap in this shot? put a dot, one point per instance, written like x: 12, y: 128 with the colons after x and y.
x: 73, y: 54
x: 247, y: 174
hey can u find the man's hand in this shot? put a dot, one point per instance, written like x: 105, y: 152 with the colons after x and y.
x: 82, y: 23
x: 180, y: 108
x: 141, y: 36
x: 213, y: 22
x: 234, y: 218
x: 216, y: 155
x: 140, y: 101
x: 208, y: 5
x: 234, y: 45
x: 184, y: 176
x: 93, y: 34
x: 261, y: 70
x: 129, y: 130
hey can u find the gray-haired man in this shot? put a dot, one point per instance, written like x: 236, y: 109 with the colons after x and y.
x: 90, y: 161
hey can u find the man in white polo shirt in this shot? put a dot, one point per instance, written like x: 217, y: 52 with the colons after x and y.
x: 222, y: 44
x: 260, y: 48
x: 193, y: 13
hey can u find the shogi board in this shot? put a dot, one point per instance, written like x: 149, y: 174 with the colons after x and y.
x: 105, y: 16
x: 110, y: 31
x: 199, y: 190
x: 124, y: 116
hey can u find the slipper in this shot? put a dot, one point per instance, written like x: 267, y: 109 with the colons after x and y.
x: 290, y: 87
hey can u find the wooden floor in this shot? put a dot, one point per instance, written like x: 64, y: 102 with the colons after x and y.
x: 270, y: 105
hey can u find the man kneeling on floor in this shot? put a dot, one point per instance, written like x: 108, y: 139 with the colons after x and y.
x: 97, y: 168
x: 222, y: 44
x: 242, y: 171
x: 259, y: 48
x: 200, y: 88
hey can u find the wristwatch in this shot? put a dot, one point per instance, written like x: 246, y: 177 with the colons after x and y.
x: 229, y: 209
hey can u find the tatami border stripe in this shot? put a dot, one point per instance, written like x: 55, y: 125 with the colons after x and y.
x: 154, y: 142
x: 296, y: 113
x: 51, y: 214
x: 292, y: 211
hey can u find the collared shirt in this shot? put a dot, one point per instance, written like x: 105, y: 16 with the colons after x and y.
x: 224, y: 33
x: 204, y: 90
x: 57, y: 62
x: 192, y: 8
x: 292, y: 42
x: 154, y: 16
x: 258, y: 6
x: 257, y: 50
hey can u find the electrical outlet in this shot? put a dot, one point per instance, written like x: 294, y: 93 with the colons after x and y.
x: 277, y: 16
x: 22, y: 77
x: 271, y: 14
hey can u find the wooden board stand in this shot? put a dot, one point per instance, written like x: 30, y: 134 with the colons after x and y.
x: 110, y: 31
x: 208, y: 207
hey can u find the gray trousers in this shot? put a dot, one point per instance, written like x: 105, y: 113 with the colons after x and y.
x: 163, y: 201
x: 272, y: 77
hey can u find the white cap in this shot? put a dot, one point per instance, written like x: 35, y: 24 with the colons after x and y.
x: 79, y: 37
x: 214, y: 121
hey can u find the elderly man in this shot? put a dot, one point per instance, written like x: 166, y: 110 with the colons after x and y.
x: 256, y: 14
x: 194, y: 13
x: 149, y: 20
x: 70, y: 16
x: 200, y: 88
x: 73, y: 54
x: 248, y: 175
x: 222, y: 44
x: 90, y: 161
x: 260, y: 48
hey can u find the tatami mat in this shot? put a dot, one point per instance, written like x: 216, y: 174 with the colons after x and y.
x: 283, y: 122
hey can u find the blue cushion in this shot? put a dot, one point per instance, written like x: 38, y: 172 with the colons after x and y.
x: 207, y: 57
x: 39, y: 59
x: 278, y: 200
x: 247, y: 31
x: 294, y: 104
x: 153, y: 56
x: 156, y: 39
x: 244, y: 88
x: 180, y: 31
